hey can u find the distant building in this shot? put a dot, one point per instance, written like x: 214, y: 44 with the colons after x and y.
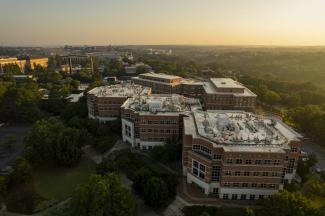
x: 217, y: 93
x: 23, y: 63
x: 159, y: 83
x: 238, y: 155
x: 227, y: 94
x: 151, y: 121
x: 104, y: 102
x: 132, y: 69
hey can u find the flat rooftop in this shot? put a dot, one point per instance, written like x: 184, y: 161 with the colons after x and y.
x: 211, y: 87
x: 161, y: 75
x: 241, y: 131
x: 161, y: 104
x: 226, y: 83
x: 120, y: 90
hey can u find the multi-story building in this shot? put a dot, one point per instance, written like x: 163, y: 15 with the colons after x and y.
x: 159, y: 83
x: 215, y: 94
x: 151, y: 121
x: 227, y: 94
x: 104, y: 102
x: 22, y: 63
x: 238, y: 155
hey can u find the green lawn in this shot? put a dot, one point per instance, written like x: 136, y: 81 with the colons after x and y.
x: 58, y: 183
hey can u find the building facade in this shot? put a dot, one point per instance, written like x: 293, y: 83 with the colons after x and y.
x: 227, y: 94
x: 151, y: 121
x: 104, y: 102
x: 23, y: 63
x: 215, y: 94
x: 159, y: 83
x: 238, y: 155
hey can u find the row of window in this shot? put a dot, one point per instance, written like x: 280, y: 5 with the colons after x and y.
x: 168, y: 131
x: 160, y: 122
x: 256, y: 162
x: 243, y: 196
x: 156, y: 139
x: 250, y: 185
x: 248, y: 173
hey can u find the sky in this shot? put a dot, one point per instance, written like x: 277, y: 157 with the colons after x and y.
x: 188, y: 22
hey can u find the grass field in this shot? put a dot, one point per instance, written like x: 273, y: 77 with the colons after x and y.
x: 58, y: 183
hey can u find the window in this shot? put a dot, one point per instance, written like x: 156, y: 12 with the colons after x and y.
x: 267, y: 162
x: 294, y: 149
x: 215, y: 174
x: 243, y: 197
x: 216, y: 157
x: 291, y: 165
x: 127, y: 130
x: 237, y: 173
x: 144, y: 148
x: 198, y: 169
x: 277, y: 162
x: 245, y: 185
x: 149, y: 147
x: 274, y: 174
x: 248, y: 161
x: 225, y: 196
x: 254, y: 185
x: 257, y: 162
x: 246, y: 173
x: 252, y: 197
x: 239, y: 161
x: 265, y: 174
x: 263, y: 185
x: 228, y: 173
x: 229, y: 161
x: 226, y: 184
x: 234, y: 197
x: 235, y: 184
x: 215, y: 191
x: 256, y: 173
x: 196, y: 147
x: 261, y: 196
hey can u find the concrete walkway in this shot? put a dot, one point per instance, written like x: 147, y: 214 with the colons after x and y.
x: 175, y: 208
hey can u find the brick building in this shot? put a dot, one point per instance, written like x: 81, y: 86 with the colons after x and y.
x: 215, y: 94
x: 159, y: 83
x: 227, y: 94
x: 104, y: 102
x: 151, y: 121
x: 238, y: 155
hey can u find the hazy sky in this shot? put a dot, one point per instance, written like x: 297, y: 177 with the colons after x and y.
x: 218, y: 22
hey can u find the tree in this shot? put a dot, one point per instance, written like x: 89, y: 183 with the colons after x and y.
x: 140, y: 179
x: 304, y: 166
x: 22, y: 172
x: 103, y: 195
x: 155, y: 192
x: 287, y: 204
x: 51, y: 142
x: 68, y: 147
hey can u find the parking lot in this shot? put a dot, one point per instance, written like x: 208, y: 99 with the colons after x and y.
x: 7, y: 157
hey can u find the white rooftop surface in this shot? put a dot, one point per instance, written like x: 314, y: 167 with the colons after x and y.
x: 226, y: 83
x: 119, y: 90
x: 210, y: 89
x: 162, y: 104
x: 161, y: 75
x: 241, y: 131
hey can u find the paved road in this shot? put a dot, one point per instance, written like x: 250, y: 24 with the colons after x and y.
x: 312, y: 148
